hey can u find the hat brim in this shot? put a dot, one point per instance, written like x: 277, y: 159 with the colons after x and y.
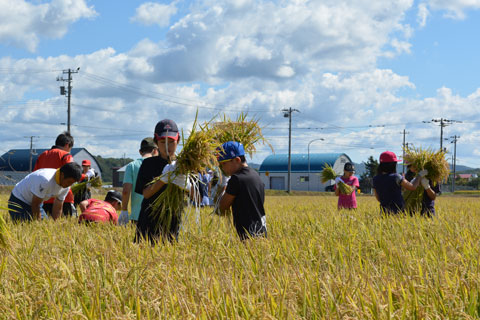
x: 168, y: 134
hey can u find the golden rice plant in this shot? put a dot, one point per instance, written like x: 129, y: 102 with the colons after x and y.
x: 3, y: 231
x: 247, y: 132
x: 197, y: 155
x: 432, y: 161
x: 81, y: 186
x: 329, y: 174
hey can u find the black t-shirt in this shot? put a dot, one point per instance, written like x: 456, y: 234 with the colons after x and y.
x: 150, y: 169
x: 247, y: 208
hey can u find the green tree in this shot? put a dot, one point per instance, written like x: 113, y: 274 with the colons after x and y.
x: 107, y: 165
x: 366, y: 178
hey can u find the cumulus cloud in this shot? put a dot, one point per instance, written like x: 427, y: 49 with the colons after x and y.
x: 422, y: 14
x: 24, y: 23
x: 454, y: 9
x: 151, y: 13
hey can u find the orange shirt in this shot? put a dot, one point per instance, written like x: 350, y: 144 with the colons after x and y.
x: 100, y: 211
x: 54, y: 158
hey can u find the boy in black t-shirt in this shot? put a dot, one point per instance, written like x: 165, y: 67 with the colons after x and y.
x: 245, y: 192
x: 166, y: 138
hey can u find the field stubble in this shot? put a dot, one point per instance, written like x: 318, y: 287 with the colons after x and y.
x: 316, y: 263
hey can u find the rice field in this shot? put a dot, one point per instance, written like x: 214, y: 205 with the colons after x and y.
x: 317, y: 263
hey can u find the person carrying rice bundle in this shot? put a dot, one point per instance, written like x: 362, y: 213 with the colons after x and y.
x: 245, y: 192
x: 387, y: 184
x: 423, y: 199
x: 166, y: 136
x: 347, y: 201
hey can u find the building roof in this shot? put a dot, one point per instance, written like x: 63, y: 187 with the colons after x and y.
x: 299, y: 162
x: 19, y: 159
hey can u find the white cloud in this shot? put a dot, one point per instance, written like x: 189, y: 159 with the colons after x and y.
x: 151, y: 13
x: 455, y: 9
x: 24, y: 23
x: 422, y: 14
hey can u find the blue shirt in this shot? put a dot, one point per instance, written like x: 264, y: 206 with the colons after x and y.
x: 389, y: 191
x: 131, y: 173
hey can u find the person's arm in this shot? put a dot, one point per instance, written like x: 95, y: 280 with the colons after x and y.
x: 83, y: 205
x: 410, y: 186
x: 151, y: 189
x: 57, y: 208
x: 337, y: 191
x: 126, y: 191
x: 225, y: 203
x: 430, y: 192
x: 36, y: 203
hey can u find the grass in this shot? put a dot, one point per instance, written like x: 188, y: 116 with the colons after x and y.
x: 316, y: 263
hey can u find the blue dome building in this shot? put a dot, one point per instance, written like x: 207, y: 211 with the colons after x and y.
x: 305, y: 170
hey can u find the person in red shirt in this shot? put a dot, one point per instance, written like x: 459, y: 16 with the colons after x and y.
x: 54, y: 158
x: 94, y: 210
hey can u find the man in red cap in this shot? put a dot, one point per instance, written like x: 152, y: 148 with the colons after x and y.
x: 54, y: 158
x: 87, y: 174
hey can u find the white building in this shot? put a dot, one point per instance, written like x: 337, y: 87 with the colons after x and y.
x: 305, y: 170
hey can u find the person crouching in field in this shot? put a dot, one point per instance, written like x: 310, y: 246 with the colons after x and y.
x: 387, y: 184
x: 94, y: 210
x: 429, y: 193
x: 25, y: 202
x: 347, y: 201
x: 245, y: 192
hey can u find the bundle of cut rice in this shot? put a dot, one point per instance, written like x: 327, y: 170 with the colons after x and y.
x: 247, y: 132
x: 432, y: 161
x: 198, y: 154
x: 82, y: 186
x: 329, y: 174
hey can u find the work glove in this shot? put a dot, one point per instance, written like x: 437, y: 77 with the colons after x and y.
x: 123, y: 219
x: 224, y: 182
x: 338, y: 180
x: 422, y: 173
x: 425, y: 183
x: 90, y: 174
x: 169, y: 176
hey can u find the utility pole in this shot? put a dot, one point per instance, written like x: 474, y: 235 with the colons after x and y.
x: 68, y: 91
x: 287, y: 113
x: 404, y: 146
x: 443, y: 123
x: 32, y: 153
x: 454, y: 141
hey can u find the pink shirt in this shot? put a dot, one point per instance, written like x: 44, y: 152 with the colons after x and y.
x: 348, y: 201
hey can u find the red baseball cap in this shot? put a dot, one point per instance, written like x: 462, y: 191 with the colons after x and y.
x: 86, y: 163
x: 388, y: 156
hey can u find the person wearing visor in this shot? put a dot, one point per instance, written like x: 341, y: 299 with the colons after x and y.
x: 347, y: 201
x: 166, y: 137
x: 94, y: 210
x: 245, y: 192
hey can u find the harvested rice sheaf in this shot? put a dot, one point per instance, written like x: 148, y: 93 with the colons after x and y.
x: 329, y: 174
x: 247, y: 132
x: 432, y: 161
x: 81, y: 186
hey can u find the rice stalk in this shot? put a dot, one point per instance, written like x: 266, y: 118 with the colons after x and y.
x: 328, y: 174
x: 3, y: 232
x: 82, y: 186
x: 247, y: 132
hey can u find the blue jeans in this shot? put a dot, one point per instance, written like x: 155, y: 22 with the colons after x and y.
x: 21, y: 211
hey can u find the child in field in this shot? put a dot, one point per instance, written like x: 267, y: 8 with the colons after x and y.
x: 429, y: 193
x: 166, y: 137
x: 244, y: 193
x: 347, y: 201
x: 94, y: 210
x: 387, y: 184
x: 27, y: 196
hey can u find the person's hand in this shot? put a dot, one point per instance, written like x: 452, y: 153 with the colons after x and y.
x: 181, y: 181
x: 224, y: 181
x: 167, y: 172
x: 123, y: 219
x: 90, y: 173
x: 422, y: 173
x: 338, y: 180
x: 425, y: 183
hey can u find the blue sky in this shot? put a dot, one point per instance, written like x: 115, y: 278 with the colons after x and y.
x: 360, y: 72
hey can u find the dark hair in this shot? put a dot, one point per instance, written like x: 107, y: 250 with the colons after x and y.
x: 242, y: 158
x: 387, y: 167
x: 63, y: 139
x: 147, y: 150
x: 72, y: 170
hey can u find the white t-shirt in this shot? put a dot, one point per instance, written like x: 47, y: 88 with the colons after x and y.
x: 40, y: 183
